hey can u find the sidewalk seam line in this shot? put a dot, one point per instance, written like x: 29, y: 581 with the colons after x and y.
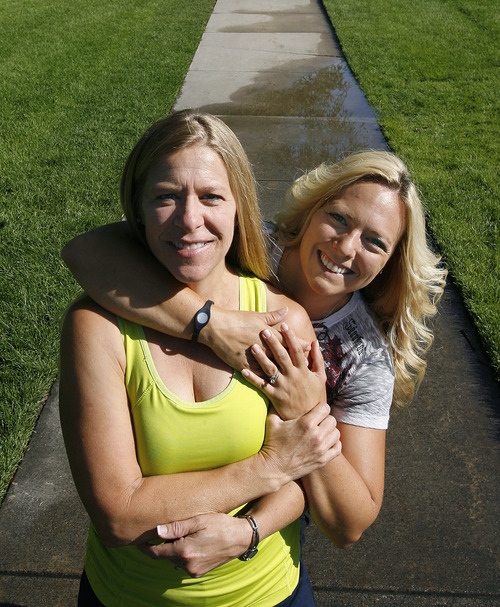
x: 40, y: 574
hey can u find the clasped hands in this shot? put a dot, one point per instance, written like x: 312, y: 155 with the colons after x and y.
x: 201, y: 543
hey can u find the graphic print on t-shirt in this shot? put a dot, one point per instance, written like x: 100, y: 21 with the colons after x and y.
x: 331, y: 348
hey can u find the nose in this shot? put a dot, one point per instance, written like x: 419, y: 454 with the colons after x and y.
x: 189, y: 215
x: 348, y: 243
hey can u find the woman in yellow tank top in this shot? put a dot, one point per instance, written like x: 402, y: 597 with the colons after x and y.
x: 159, y: 429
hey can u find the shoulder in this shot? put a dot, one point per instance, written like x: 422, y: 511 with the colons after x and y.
x: 85, y: 312
x: 297, y: 318
x: 89, y: 328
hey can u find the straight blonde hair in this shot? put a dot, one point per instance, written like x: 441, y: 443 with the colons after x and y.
x: 181, y: 130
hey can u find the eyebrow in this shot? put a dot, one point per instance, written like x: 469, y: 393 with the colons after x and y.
x: 167, y: 185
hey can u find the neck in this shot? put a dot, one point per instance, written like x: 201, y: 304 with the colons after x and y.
x: 222, y: 290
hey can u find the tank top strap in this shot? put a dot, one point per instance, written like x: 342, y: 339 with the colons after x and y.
x: 252, y: 294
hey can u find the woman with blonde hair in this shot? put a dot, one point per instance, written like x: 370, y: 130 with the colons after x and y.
x: 349, y: 245
x: 158, y: 429
x: 404, y: 294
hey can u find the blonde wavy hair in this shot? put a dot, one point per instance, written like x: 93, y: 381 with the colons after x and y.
x: 181, y: 130
x: 404, y: 297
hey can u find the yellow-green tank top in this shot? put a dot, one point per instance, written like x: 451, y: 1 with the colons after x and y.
x: 172, y: 436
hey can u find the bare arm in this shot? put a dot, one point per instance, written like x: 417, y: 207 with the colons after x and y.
x: 124, y: 506
x: 345, y: 495
x: 124, y: 277
x: 201, y: 543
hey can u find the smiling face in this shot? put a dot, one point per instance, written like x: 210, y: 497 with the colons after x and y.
x: 189, y: 213
x: 347, y: 243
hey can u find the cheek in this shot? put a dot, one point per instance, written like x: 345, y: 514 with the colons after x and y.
x: 376, y: 266
x: 305, y: 249
x: 157, y: 217
x: 312, y: 235
x: 154, y: 227
x: 322, y: 231
x: 224, y: 222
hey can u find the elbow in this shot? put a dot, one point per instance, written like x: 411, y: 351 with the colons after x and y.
x: 111, y: 541
x: 113, y: 532
x: 342, y: 538
x: 118, y: 527
x: 117, y: 534
x: 344, y: 535
x: 119, y: 520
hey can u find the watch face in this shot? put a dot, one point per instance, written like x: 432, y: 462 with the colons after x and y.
x: 202, y: 317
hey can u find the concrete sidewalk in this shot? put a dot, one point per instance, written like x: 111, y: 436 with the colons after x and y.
x: 272, y: 69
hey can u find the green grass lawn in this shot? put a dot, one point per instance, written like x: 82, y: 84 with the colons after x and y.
x: 79, y: 82
x: 430, y: 70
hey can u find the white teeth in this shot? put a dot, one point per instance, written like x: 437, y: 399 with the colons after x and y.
x: 188, y: 246
x: 331, y: 266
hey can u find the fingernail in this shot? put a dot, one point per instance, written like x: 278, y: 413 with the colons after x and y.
x: 284, y: 326
x: 256, y: 349
x: 266, y: 333
x: 161, y: 530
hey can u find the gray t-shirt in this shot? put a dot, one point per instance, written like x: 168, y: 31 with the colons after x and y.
x: 358, y: 361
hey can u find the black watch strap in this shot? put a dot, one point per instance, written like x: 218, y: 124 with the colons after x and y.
x: 201, y: 319
x: 252, y: 551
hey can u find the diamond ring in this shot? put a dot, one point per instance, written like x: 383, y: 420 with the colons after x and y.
x: 272, y: 380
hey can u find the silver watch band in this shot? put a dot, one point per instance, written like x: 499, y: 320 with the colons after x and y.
x: 252, y: 550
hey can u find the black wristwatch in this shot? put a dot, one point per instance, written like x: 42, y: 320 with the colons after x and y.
x: 201, y: 319
x: 252, y: 551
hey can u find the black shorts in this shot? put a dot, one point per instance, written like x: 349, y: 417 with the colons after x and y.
x: 86, y: 596
x: 302, y: 596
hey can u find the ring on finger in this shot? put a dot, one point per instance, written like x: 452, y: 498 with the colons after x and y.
x: 273, y: 378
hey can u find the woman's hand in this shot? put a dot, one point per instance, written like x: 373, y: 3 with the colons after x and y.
x: 300, y: 384
x: 230, y: 334
x: 295, y: 448
x: 201, y: 543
